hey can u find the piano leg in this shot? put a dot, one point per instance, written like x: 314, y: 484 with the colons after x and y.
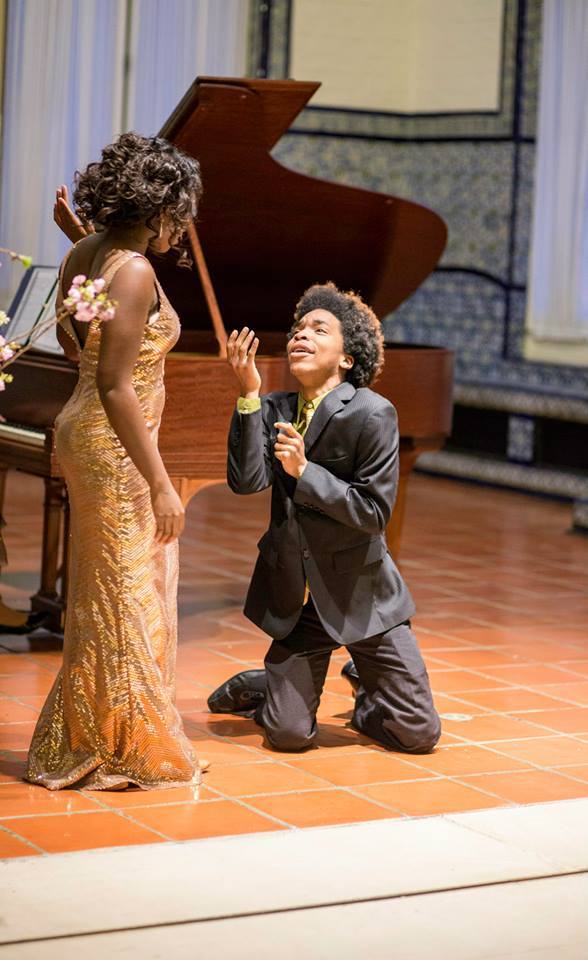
x: 394, y: 529
x: 188, y: 487
x: 10, y: 619
x: 48, y: 599
x: 410, y: 450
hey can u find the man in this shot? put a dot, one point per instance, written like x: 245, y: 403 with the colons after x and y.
x: 324, y: 577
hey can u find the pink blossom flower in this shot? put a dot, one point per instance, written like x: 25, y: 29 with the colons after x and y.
x: 2, y: 385
x: 6, y: 352
x: 84, y: 313
x: 86, y: 300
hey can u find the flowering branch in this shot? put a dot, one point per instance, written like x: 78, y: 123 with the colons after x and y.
x: 85, y: 301
x: 21, y: 257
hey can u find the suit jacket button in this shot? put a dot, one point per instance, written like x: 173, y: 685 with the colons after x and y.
x: 306, y: 554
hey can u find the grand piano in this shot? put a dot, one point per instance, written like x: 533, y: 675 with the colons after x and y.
x: 264, y: 234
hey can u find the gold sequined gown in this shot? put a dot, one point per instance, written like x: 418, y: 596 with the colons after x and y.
x: 110, y: 719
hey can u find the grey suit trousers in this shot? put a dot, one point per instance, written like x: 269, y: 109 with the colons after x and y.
x: 393, y: 705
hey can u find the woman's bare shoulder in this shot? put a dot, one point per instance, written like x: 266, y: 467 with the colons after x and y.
x: 136, y: 271
x: 133, y: 283
x: 79, y: 258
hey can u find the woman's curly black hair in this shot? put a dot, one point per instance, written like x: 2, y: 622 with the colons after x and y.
x: 362, y: 334
x: 137, y: 179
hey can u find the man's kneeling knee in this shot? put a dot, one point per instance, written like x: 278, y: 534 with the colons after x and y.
x: 289, y: 739
x: 423, y: 740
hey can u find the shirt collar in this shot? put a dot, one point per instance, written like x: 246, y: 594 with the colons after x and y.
x: 302, y: 400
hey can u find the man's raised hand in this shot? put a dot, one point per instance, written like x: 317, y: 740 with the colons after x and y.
x: 241, y: 350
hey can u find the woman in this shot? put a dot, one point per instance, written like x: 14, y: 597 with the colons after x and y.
x: 110, y: 720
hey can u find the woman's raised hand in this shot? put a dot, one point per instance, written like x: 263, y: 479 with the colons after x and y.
x: 65, y: 218
x: 241, y: 350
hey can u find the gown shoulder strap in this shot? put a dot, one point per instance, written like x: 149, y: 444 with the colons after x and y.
x: 119, y: 260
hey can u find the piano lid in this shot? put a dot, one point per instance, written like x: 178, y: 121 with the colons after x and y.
x: 268, y: 232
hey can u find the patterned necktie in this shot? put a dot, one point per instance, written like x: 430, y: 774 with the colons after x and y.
x: 305, y: 417
x: 302, y: 426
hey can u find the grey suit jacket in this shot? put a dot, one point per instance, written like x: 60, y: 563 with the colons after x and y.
x: 329, y: 526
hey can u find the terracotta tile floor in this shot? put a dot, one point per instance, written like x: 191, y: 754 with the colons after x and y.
x: 502, y: 595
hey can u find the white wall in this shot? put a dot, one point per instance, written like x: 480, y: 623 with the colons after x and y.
x: 413, y: 56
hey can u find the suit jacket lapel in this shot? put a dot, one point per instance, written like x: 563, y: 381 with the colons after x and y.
x: 332, y: 404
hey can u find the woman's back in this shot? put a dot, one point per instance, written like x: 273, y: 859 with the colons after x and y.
x: 160, y: 333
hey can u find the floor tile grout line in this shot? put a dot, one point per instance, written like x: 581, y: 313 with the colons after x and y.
x: 513, y: 773
x: 432, y: 655
x: 490, y: 711
x: 547, y: 734
x: 35, y: 815
x: 329, y: 786
x: 487, y: 746
x: 137, y: 823
x: 240, y: 802
x: 530, y: 763
x: 17, y: 836
x: 352, y: 789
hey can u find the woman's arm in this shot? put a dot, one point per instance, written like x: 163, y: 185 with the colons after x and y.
x: 121, y: 338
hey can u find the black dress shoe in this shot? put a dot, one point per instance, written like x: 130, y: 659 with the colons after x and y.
x: 350, y: 673
x: 243, y: 693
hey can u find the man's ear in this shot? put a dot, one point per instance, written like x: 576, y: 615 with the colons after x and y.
x: 347, y: 362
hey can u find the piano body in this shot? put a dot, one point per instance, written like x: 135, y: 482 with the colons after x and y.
x: 265, y: 233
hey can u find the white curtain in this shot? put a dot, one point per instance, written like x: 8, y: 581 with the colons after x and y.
x: 76, y: 76
x: 171, y: 44
x: 62, y: 96
x: 558, y: 278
